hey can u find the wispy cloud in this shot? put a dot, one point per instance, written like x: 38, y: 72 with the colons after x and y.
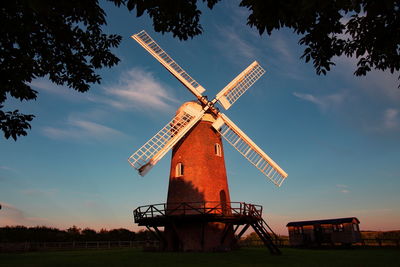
x: 238, y: 47
x: 343, y: 188
x: 11, y: 215
x: 323, y: 102
x: 239, y: 31
x: 135, y: 88
x: 377, y: 84
x: 387, y: 122
x: 138, y: 89
x: 391, y: 119
x: 6, y: 174
x: 373, y: 211
x: 281, y: 46
x: 2, y: 167
x: 39, y: 192
x: 90, y: 204
x: 78, y: 129
x: 369, y: 104
x: 45, y: 85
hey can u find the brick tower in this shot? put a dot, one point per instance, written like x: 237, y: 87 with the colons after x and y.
x: 198, y: 176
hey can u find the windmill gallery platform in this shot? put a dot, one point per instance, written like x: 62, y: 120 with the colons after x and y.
x: 230, y: 216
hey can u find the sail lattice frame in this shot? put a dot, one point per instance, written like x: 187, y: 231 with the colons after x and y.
x: 156, y: 51
x: 245, y: 146
x: 238, y: 86
x: 154, y: 149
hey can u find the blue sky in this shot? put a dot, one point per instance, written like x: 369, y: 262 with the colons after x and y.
x: 337, y: 136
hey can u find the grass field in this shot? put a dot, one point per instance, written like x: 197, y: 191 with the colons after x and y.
x: 243, y: 257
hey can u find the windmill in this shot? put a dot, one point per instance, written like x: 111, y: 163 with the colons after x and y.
x: 198, y: 214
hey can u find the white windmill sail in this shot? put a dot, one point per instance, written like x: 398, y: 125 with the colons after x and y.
x: 154, y: 149
x: 242, y: 143
x: 156, y: 51
x: 239, y: 85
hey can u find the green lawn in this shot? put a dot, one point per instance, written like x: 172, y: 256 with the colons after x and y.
x: 243, y: 257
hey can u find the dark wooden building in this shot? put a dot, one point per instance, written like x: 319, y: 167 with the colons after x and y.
x: 341, y: 231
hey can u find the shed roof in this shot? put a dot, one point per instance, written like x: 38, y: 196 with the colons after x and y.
x: 326, y: 221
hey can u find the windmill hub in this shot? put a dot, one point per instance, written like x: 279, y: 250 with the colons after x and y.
x: 198, y: 214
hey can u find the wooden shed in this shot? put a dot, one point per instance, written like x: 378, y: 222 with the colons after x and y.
x: 341, y: 231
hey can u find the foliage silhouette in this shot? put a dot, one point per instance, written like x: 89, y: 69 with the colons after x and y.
x: 49, y: 234
x: 63, y: 40
x: 367, y: 30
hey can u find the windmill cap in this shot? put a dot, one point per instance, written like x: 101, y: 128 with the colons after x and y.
x: 195, y: 105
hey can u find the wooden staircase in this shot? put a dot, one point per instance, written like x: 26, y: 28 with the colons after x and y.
x: 267, y: 236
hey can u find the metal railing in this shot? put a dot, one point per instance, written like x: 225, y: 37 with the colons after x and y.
x: 233, y: 209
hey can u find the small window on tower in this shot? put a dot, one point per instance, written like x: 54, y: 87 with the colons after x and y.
x: 179, y: 169
x: 217, y: 148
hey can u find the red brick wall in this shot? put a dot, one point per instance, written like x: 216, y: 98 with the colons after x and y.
x: 204, y: 172
x: 203, y: 179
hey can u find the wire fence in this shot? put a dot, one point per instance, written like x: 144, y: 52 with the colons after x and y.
x: 284, y: 242
x: 46, y: 246
x: 51, y: 246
